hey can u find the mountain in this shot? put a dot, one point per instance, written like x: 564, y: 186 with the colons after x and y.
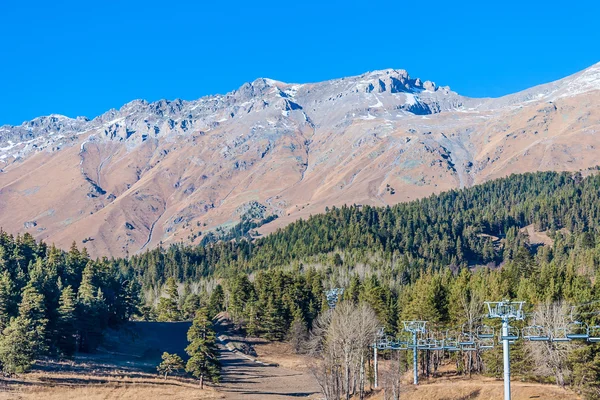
x: 169, y: 171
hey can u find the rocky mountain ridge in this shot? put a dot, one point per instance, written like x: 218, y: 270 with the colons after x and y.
x: 169, y: 171
x: 165, y: 116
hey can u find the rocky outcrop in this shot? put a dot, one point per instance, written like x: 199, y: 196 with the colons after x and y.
x: 170, y: 171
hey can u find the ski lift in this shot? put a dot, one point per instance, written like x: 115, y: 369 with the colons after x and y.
x: 383, y: 343
x: 400, y: 343
x: 485, y: 332
x: 536, y: 333
x: 594, y: 334
x: 415, y: 326
x: 485, y: 343
x: 404, y: 341
x: 467, y: 342
x: 505, y: 309
x: 395, y: 345
x: 513, y: 334
x: 451, y: 345
x: 559, y: 335
x: 450, y: 342
x: 422, y: 344
x: 577, y: 331
x: 436, y: 345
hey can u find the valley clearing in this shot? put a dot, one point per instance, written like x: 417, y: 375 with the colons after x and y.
x: 125, y: 369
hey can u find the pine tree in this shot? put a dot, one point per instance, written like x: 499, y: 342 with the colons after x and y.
x: 298, y: 332
x: 203, y: 362
x: 24, y: 338
x: 216, y: 303
x: 66, y: 326
x: 91, y: 315
x: 18, y: 346
x: 32, y: 313
x: 274, y: 321
x: 6, y: 300
x: 192, y: 303
x: 170, y: 363
x: 168, y: 307
x: 252, y: 319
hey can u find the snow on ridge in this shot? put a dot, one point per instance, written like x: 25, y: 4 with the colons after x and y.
x: 410, y: 99
x: 59, y: 116
x: 587, y: 81
x: 378, y: 104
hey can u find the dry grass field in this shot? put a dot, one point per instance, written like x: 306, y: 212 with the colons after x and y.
x: 480, y: 388
x: 123, y: 368
x: 68, y: 386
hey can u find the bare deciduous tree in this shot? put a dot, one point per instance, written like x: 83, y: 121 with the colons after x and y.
x: 550, y: 358
x: 390, y: 378
x: 341, y: 340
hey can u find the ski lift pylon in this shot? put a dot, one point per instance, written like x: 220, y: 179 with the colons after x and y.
x: 513, y: 334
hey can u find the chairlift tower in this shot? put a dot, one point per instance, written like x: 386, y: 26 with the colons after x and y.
x: 380, y: 338
x: 333, y: 296
x: 415, y: 327
x: 506, y: 310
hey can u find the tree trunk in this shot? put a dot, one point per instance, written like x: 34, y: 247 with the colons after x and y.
x: 202, y: 381
x: 470, y: 363
x: 347, y: 378
x: 361, y: 385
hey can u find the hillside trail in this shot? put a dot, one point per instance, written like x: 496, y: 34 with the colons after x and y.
x: 242, y: 377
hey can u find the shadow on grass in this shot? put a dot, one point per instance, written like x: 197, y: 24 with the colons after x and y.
x: 473, y: 395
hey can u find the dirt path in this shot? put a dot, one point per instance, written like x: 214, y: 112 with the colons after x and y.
x: 243, y: 378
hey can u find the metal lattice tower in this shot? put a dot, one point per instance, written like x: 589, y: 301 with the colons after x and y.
x: 415, y: 327
x: 506, y: 310
x: 482, y: 337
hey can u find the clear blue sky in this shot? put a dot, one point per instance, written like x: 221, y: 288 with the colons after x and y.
x: 84, y: 57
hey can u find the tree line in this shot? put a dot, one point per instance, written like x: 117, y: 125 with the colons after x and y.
x: 54, y: 302
x: 452, y: 229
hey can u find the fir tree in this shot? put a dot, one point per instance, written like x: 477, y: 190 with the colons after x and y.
x: 168, y: 306
x: 203, y: 362
x: 90, y: 310
x: 216, y: 303
x: 171, y: 363
x: 6, y: 299
x: 66, y: 326
x: 24, y: 338
x: 274, y: 324
x: 192, y: 303
x: 33, y: 315
x: 18, y: 346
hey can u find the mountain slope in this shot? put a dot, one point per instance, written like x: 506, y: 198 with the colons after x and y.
x: 172, y: 170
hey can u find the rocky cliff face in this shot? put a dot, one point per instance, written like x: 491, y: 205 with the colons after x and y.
x: 170, y: 171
